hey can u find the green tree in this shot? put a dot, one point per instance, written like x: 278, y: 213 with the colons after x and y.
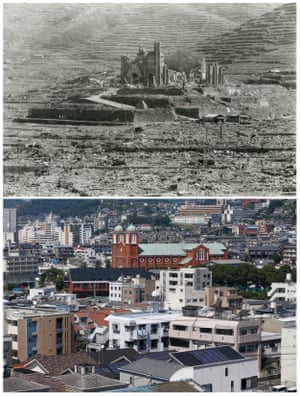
x: 53, y: 275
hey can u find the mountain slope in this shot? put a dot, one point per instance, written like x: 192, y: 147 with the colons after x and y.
x: 103, y: 32
x: 258, y: 44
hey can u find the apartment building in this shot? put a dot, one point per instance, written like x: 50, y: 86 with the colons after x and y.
x: 38, y: 332
x: 178, y: 288
x: 201, y: 332
x: 283, y: 291
x: 143, y: 331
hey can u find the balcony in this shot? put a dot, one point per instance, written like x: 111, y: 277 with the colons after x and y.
x: 164, y: 332
x: 271, y: 352
x: 12, y: 330
x: 142, y: 333
x: 130, y: 335
x: 14, y: 345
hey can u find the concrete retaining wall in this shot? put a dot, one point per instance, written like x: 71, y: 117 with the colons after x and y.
x: 83, y: 114
x: 170, y: 91
x: 154, y: 115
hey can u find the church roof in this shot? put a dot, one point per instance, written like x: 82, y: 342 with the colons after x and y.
x: 165, y: 249
x: 177, y: 249
x: 215, y: 248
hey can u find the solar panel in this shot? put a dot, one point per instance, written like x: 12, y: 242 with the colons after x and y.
x: 207, y: 356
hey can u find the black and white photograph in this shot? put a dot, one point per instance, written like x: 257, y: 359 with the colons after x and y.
x: 149, y: 99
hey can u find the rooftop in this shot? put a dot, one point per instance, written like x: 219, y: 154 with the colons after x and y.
x: 152, y: 368
x: 146, y: 317
x: 207, y: 356
x: 90, y: 382
x: 15, y: 384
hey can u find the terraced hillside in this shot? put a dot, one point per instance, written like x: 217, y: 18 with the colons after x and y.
x: 56, y: 40
x: 257, y: 45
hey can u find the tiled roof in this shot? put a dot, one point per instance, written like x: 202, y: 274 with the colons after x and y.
x: 165, y: 249
x: 152, y: 368
x: 15, y: 384
x: 215, y: 248
x: 56, y: 365
x: 98, y: 315
x: 90, y: 382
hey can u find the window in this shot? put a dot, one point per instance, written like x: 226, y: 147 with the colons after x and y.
x: 248, y: 383
x: 154, y: 344
x: 224, y: 331
x: 201, y: 254
x: 179, y: 343
x: 166, y: 259
x: 243, y: 331
x: 226, y: 371
x: 150, y: 259
x: 205, y: 330
x: 179, y: 327
x: 158, y: 260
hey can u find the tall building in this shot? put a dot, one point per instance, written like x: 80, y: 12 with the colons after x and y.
x: 10, y: 220
x: 66, y: 238
x: 85, y: 233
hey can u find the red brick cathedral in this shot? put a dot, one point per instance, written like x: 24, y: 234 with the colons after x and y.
x: 127, y: 252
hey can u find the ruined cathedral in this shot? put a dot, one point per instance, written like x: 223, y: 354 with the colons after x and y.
x: 148, y: 68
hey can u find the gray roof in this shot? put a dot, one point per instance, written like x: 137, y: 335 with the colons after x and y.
x: 152, y: 368
x: 166, y: 249
x: 215, y: 248
x: 16, y: 384
x: 90, y: 382
x: 177, y: 249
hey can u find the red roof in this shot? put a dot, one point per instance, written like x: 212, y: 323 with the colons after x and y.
x: 98, y: 315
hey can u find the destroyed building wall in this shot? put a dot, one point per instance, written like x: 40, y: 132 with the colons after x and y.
x: 148, y: 69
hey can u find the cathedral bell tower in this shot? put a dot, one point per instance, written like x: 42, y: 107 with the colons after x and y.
x: 125, y: 249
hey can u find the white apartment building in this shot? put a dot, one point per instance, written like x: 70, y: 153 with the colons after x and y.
x: 283, y: 291
x: 143, y: 331
x: 289, y: 354
x: 178, y: 288
x: 85, y: 233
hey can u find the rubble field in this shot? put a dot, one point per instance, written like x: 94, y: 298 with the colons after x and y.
x: 171, y: 158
